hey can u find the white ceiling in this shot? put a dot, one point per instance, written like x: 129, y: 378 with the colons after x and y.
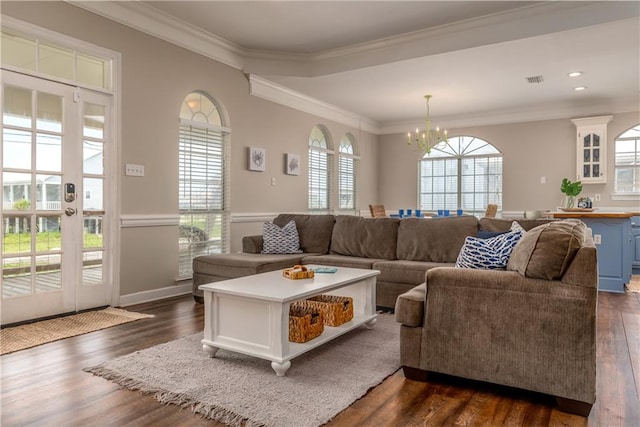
x: 375, y: 60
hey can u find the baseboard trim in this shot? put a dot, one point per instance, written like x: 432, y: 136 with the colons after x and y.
x: 155, y: 294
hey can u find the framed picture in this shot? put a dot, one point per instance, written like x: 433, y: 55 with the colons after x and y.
x: 293, y: 164
x: 257, y: 159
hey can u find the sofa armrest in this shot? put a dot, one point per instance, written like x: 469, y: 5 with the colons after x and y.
x: 410, y: 306
x: 252, y: 244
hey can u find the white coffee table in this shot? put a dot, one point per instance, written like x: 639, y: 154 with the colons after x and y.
x: 250, y: 315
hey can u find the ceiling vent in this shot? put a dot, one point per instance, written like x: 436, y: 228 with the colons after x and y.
x: 535, y: 79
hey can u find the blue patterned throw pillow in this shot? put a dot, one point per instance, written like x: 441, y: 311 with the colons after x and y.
x: 491, y: 253
x: 278, y: 240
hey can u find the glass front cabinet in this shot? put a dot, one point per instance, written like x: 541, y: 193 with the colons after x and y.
x: 591, y: 166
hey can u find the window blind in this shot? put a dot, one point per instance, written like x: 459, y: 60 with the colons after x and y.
x: 203, y: 190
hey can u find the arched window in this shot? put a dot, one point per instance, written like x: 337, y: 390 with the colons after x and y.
x: 462, y: 173
x: 627, y: 163
x: 202, y: 181
x: 320, y: 169
x: 347, y: 170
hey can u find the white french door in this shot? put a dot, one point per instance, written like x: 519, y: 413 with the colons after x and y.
x: 55, y: 214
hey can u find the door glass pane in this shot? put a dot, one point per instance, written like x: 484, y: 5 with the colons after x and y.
x: 16, y: 236
x: 93, y: 155
x: 596, y: 154
x: 49, y: 152
x: 16, y: 108
x: 48, y: 233
x: 92, y: 268
x: 48, y: 273
x: 596, y: 140
x: 48, y: 194
x: 92, y: 231
x: 18, y: 51
x: 92, y: 189
x: 93, y: 126
x: 16, y: 149
x: 587, y: 171
x: 596, y: 170
x: 56, y: 61
x: 587, y: 155
x: 93, y: 71
x: 49, y: 112
x: 587, y: 141
x: 16, y: 276
x: 16, y: 194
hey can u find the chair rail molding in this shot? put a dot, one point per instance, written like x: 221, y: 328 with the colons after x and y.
x: 148, y: 220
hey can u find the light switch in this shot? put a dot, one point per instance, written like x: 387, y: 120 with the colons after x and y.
x: 131, y: 169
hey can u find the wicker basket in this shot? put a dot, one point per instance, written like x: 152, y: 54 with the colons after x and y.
x: 336, y: 310
x: 305, y: 322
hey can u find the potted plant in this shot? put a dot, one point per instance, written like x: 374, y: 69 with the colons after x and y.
x: 571, y: 189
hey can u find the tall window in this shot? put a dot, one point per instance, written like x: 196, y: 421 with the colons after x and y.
x: 347, y: 162
x: 627, y: 162
x: 320, y: 168
x: 202, y: 181
x: 463, y: 173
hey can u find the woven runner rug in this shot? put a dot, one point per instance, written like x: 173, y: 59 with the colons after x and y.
x: 634, y: 284
x: 30, y: 335
x: 241, y: 390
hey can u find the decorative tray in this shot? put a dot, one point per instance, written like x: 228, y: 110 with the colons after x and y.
x: 297, y: 272
x: 577, y: 209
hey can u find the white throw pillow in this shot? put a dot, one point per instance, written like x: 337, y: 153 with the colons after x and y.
x: 278, y: 240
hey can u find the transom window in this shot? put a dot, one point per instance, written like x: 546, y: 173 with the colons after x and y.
x: 464, y: 172
x: 347, y: 169
x: 320, y: 168
x: 202, y: 181
x: 627, y: 162
x: 41, y: 58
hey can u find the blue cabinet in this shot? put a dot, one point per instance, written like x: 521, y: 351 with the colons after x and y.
x: 614, y: 251
x: 635, y: 244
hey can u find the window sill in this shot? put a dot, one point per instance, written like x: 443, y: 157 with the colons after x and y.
x: 625, y: 196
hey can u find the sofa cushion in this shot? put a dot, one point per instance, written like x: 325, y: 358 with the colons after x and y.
x: 434, y: 239
x: 546, y: 251
x: 490, y: 253
x: 365, y: 237
x: 340, y: 261
x: 409, y: 308
x: 314, y: 230
x: 235, y: 265
x: 406, y: 272
x: 503, y: 224
x: 280, y: 240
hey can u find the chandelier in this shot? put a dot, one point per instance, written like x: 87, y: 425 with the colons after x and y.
x: 428, y: 138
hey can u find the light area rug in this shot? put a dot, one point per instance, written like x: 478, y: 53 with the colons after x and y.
x: 242, y: 390
x: 634, y: 284
x: 33, y: 334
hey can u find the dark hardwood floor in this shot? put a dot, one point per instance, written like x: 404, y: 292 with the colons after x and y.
x: 45, y: 386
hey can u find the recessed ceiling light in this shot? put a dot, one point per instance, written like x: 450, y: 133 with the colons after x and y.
x: 579, y: 88
x: 575, y: 74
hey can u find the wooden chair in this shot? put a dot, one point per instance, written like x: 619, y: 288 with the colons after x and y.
x: 378, y: 211
x: 491, y: 211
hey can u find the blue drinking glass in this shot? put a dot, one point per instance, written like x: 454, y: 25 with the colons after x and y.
x: 418, y: 213
x: 446, y: 212
x: 400, y: 213
x: 440, y: 212
x: 460, y: 212
x: 408, y: 212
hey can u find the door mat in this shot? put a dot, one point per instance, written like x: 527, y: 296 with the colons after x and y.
x: 21, y: 337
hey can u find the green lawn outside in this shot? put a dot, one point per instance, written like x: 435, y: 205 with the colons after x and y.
x: 21, y: 242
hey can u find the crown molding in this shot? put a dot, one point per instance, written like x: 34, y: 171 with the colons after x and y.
x: 266, y: 89
x: 508, y: 116
x: 149, y: 20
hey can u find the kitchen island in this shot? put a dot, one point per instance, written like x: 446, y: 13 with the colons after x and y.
x: 613, y: 238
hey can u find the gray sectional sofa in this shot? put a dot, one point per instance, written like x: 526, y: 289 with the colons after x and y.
x: 402, y: 249
x: 532, y: 326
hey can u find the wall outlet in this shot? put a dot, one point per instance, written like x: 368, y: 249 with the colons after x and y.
x: 273, y: 181
x: 131, y: 169
x: 596, y: 197
x: 543, y: 180
x: 597, y: 239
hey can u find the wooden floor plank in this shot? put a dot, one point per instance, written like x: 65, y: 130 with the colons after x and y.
x: 45, y: 385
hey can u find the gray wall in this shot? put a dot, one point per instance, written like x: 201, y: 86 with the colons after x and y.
x: 531, y: 150
x: 156, y: 76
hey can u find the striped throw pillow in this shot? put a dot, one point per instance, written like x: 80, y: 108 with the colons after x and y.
x: 278, y: 240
